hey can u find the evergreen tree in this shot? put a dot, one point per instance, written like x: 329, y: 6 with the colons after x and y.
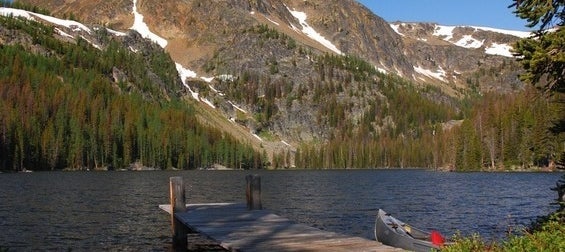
x: 62, y: 110
x: 543, y: 54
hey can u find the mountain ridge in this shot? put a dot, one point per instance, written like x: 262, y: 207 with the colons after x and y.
x: 259, y: 48
x: 189, y: 29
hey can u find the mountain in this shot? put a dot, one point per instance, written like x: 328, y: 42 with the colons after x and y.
x: 283, y: 73
x: 198, y: 30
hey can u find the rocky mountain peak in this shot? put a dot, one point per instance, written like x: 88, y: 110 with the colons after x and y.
x: 297, y: 70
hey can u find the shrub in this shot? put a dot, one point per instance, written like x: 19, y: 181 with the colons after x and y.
x: 549, y: 236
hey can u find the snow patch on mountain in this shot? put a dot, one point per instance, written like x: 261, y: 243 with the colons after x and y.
x: 207, y: 79
x: 439, y: 74
x: 140, y: 26
x: 185, y: 73
x: 70, y: 24
x: 469, y: 42
x: 64, y: 34
x: 396, y: 28
x: 116, y: 33
x: 91, y: 43
x: 14, y: 12
x: 73, y: 25
x: 519, y: 34
x: 272, y: 21
x: 445, y: 32
x: 310, y: 32
x: 208, y: 102
x: 499, y: 49
x: 237, y: 107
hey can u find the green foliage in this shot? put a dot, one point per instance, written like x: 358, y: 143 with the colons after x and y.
x: 550, y: 237
x: 396, y: 132
x: 543, y: 55
x: 24, y: 6
x: 469, y: 244
x: 267, y: 33
x: 359, y: 68
x: 508, y: 132
x: 541, y: 13
x: 469, y: 152
x: 500, y: 133
x: 64, y: 110
x: 543, y: 58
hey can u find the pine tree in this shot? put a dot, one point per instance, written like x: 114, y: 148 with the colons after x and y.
x: 543, y: 54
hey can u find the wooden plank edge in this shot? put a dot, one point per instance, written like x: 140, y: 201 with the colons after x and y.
x: 167, y: 207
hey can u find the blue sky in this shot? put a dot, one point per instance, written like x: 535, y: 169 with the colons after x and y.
x: 490, y: 13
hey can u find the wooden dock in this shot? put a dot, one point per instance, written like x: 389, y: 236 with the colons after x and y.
x: 237, y: 228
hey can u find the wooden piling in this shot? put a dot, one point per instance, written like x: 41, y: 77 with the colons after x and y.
x: 253, y: 192
x: 178, y: 205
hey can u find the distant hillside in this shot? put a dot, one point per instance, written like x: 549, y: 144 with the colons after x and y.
x: 290, y: 77
x: 70, y: 104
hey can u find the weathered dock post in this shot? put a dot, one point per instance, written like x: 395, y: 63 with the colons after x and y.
x: 253, y: 192
x: 178, y: 204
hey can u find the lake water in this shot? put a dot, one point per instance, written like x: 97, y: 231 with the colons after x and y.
x: 119, y: 210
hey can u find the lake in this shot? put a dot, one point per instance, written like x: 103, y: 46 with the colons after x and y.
x: 119, y: 210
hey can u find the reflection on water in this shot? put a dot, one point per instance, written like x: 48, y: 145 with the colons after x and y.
x: 118, y: 210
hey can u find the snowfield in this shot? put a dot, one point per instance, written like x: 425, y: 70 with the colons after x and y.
x: 499, y: 49
x: 310, y: 32
x: 140, y: 26
x: 469, y: 42
x: 446, y: 33
x: 185, y: 73
x: 74, y: 25
x: 519, y: 34
x: 396, y: 28
x: 439, y: 74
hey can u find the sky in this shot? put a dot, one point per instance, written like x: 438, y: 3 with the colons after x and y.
x: 489, y: 13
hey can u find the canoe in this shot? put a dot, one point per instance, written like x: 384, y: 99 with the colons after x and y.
x: 393, y: 232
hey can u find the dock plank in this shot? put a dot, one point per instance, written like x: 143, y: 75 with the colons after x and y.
x: 238, y: 229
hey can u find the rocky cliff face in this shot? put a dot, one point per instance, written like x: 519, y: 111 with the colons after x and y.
x: 266, y: 64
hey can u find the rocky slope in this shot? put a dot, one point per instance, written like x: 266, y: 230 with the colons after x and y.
x: 466, y: 57
x: 196, y: 30
x: 266, y: 65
